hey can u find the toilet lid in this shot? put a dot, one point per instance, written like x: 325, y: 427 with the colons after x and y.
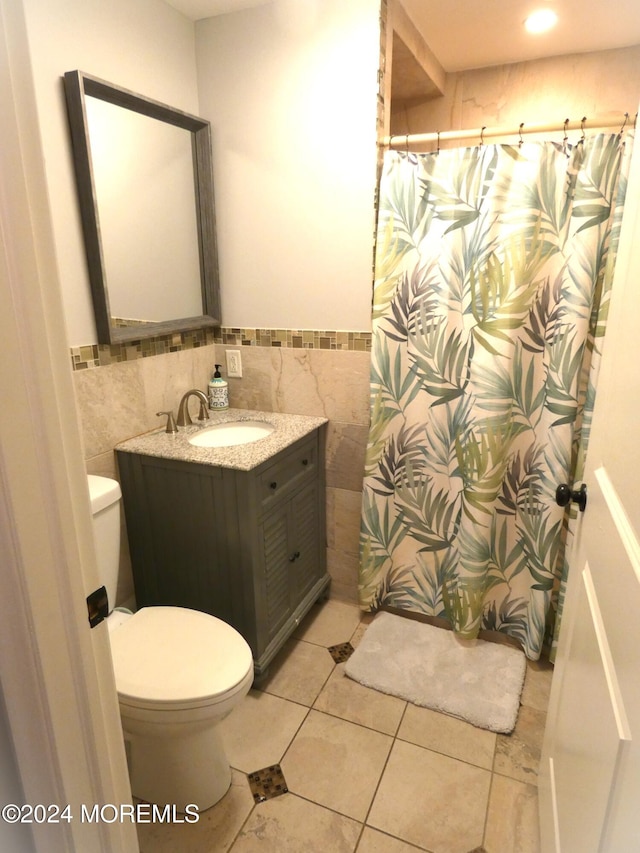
x: 178, y: 657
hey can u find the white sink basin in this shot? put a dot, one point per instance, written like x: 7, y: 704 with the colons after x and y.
x: 235, y: 432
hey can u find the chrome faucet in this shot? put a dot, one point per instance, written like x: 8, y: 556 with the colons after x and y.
x: 184, y: 418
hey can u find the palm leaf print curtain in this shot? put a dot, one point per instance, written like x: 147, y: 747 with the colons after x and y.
x: 493, y: 269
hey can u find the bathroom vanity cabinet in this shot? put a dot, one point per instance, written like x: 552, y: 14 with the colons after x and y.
x: 246, y: 546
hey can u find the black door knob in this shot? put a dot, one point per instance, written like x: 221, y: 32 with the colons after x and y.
x: 564, y: 496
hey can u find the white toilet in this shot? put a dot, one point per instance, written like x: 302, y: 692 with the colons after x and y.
x: 178, y: 672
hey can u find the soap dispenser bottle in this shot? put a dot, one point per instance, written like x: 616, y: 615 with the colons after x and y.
x: 218, y: 392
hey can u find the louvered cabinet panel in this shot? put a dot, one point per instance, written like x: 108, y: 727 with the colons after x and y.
x: 306, y: 567
x: 277, y: 584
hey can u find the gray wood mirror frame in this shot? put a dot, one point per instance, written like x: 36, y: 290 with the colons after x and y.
x: 191, y: 164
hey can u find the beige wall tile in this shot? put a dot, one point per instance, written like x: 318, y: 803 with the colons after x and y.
x: 333, y: 384
x: 125, y: 593
x: 165, y: 379
x: 343, y: 519
x: 343, y: 569
x: 110, y: 403
x: 103, y: 465
x: 537, y: 91
x: 254, y: 389
x: 346, y: 448
x: 343, y: 542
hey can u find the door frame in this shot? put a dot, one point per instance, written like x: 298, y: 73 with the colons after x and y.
x: 56, y: 676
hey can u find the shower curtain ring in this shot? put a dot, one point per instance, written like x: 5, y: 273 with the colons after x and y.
x: 520, y: 134
x: 624, y: 123
x: 482, y: 130
x: 565, y: 138
x: 438, y: 143
x: 584, y: 118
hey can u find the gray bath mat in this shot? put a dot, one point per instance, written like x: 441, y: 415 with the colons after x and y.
x: 474, y: 680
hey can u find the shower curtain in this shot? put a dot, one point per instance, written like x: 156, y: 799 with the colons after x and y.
x: 492, y: 279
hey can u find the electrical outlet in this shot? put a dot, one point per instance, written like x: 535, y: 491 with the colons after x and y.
x: 234, y: 363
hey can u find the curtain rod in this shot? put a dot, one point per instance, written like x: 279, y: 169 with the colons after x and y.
x: 399, y: 139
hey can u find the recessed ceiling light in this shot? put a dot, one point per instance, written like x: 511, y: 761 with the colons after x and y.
x: 541, y: 21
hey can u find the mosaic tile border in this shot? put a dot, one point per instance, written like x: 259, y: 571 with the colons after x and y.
x: 296, y: 339
x: 101, y: 355
x: 342, y: 652
x: 267, y: 783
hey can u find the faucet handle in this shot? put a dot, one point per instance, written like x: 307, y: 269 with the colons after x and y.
x: 171, y: 424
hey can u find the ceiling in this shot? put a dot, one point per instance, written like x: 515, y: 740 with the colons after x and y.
x: 476, y: 33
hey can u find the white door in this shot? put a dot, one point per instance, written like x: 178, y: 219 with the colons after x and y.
x: 590, y: 771
x: 59, y: 718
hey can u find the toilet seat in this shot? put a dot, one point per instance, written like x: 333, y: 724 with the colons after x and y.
x: 174, y: 658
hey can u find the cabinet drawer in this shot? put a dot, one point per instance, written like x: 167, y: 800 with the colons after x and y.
x: 289, y: 472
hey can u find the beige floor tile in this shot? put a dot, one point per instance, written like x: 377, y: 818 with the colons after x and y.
x: 299, y: 672
x: 373, y: 841
x: 288, y: 824
x: 213, y: 833
x: 336, y: 763
x: 537, y: 685
x: 431, y: 800
x: 512, y: 819
x: 448, y: 735
x: 518, y: 754
x: 349, y: 700
x: 259, y: 730
x: 329, y: 623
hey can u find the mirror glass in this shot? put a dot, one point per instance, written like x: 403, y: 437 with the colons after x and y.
x: 145, y: 189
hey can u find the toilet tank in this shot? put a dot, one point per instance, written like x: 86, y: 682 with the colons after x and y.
x: 105, y: 497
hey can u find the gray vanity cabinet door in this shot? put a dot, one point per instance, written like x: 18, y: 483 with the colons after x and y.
x: 188, y: 528
x: 291, y: 563
x: 273, y: 591
x: 307, y: 545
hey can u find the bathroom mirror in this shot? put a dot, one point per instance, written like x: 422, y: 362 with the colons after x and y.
x: 145, y: 190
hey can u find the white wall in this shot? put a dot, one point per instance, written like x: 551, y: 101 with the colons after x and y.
x: 145, y: 46
x: 292, y: 101
x: 290, y: 90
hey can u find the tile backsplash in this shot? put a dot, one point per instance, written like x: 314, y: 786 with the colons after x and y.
x: 100, y: 355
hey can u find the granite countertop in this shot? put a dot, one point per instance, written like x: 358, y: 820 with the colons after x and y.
x: 243, y: 457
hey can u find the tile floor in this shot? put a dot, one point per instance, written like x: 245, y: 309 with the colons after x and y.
x: 365, y: 772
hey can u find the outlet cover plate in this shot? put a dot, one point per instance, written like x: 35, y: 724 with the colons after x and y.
x: 234, y: 363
